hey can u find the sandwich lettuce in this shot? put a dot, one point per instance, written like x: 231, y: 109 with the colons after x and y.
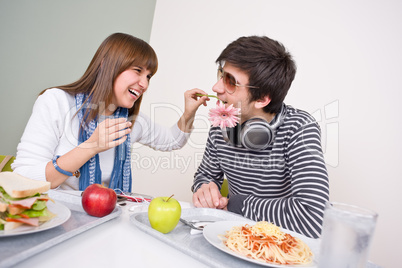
x: 29, y: 210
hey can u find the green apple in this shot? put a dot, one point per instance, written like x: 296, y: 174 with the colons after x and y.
x: 164, y: 214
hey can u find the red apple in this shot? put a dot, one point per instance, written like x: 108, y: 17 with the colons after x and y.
x: 98, y: 200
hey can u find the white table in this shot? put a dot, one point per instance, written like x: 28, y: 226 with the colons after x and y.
x: 116, y: 243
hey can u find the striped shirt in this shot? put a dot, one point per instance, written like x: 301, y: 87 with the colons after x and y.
x: 286, y: 184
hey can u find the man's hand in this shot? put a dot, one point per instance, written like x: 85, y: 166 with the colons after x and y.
x: 209, y: 196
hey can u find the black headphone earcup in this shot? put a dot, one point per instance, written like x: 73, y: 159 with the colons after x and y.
x: 256, y: 135
x: 232, y: 135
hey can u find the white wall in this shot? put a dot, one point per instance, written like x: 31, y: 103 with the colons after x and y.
x: 349, y: 66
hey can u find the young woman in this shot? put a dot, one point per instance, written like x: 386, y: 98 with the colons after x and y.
x: 81, y: 133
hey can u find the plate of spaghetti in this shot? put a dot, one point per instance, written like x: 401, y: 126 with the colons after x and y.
x: 262, y: 243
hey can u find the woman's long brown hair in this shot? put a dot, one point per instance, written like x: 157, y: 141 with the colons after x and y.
x: 117, y: 53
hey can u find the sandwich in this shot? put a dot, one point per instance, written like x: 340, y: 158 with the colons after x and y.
x: 22, y: 201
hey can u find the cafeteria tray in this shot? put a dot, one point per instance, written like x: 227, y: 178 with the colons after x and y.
x: 14, y: 249
x: 195, y: 245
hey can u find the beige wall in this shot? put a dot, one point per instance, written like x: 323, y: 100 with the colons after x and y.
x: 48, y: 43
x: 348, y: 57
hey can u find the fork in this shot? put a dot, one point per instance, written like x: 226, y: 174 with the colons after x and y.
x: 191, y: 224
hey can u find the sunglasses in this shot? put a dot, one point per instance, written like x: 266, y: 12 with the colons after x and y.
x: 229, y: 81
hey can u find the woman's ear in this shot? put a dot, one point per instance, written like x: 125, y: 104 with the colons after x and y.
x: 261, y: 103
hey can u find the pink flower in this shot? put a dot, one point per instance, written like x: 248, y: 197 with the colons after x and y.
x: 224, y: 116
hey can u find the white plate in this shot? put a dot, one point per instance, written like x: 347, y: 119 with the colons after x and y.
x: 62, y: 212
x: 213, y: 230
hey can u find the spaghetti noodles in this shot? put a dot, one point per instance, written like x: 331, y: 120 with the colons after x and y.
x: 266, y: 242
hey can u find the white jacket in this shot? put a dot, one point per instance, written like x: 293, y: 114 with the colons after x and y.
x: 53, y: 130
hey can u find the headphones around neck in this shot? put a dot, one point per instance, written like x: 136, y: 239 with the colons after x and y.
x: 256, y: 133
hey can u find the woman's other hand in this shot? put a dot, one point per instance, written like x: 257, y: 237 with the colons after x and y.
x: 108, y: 134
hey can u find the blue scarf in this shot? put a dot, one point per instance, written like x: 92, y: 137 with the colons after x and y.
x: 90, y: 171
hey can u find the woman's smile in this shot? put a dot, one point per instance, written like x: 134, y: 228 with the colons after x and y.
x: 129, y: 86
x: 135, y: 93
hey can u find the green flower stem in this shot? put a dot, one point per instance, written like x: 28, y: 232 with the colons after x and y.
x: 210, y: 96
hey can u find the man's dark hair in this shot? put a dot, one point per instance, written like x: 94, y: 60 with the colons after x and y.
x: 269, y: 65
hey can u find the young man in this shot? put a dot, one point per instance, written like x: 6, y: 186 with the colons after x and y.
x: 283, y: 181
